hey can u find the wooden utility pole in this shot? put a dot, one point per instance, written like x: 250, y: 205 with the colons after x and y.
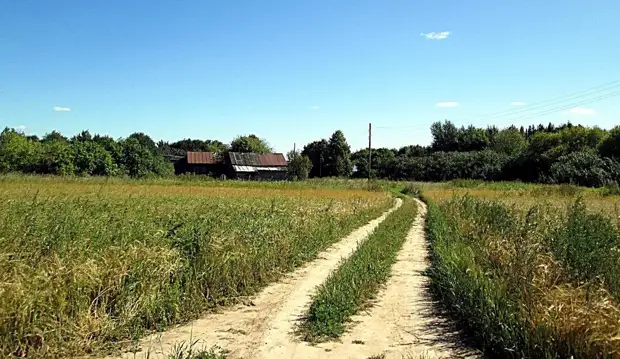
x: 369, y: 148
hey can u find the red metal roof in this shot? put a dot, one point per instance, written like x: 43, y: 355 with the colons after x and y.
x: 201, y: 158
x: 272, y: 159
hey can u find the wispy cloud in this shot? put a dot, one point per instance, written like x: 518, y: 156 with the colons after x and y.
x: 62, y: 109
x: 581, y: 111
x: 21, y: 128
x: 314, y: 108
x: 447, y: 104
x: 518, y: 103
x: 436, y: 35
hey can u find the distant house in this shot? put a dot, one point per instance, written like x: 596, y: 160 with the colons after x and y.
x: 254, y: 166
x: 202, y: 163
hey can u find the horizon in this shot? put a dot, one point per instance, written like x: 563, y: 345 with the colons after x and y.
x: 293, y: 73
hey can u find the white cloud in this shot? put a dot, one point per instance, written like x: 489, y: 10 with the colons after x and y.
x: 447, y: 104
x: 21, y: 128
x: 436, y: 35
x: 315, y: 107
x: 61, y: 109
x: 518, y: 103
x: 582, y: 111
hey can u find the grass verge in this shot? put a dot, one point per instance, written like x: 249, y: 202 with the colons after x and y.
x: 358, y: 279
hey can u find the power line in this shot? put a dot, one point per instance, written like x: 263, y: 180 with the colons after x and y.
x: 566, y: 107
x: 551, y: 102
x: 539, y: 105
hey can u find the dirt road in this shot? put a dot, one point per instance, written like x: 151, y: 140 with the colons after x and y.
x: 242, y: 330
x: 401, y: 324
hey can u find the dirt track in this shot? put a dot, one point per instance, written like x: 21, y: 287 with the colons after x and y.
x: 401, y: 324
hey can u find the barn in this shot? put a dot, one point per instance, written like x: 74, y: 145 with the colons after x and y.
x: 203, y: 163
x: 254, y: 166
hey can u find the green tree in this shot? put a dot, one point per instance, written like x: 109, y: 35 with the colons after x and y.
x: 138, y: 161
x: 339, y: 156
x: 111, y: 145
x: 56, y: 158
x: 585, y: 169
x: 250, y: 143
x: 83, y: 136
x: 317, y: 152
x: 413, y: 151
x: 472, y: 139
x: 54, y: 136
x: 610, y: 144
x: 17, y: 153
x: 200, y: 145
x: 298, y: 166
x: 579, y: 138
x: 380, y: 161
x: 509, y: 141
x: 91, y: 158
x: 445, y: 136
x: 146, y: 141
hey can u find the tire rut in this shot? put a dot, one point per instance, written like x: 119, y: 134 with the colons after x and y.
x: 244, y: 330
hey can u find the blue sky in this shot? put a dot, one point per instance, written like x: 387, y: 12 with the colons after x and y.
x: 295, y: 71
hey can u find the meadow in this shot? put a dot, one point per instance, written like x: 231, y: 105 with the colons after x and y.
x: 88, y: 265
x: 528, y: 270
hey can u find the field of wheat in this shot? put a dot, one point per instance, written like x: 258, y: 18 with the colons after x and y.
x: 88, y: 264
x: 530, y: 270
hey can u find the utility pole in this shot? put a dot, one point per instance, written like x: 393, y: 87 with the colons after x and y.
x: 369, y: 148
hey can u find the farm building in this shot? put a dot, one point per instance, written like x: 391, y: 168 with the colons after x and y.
x: 254, y: 166
x: 203, y: 163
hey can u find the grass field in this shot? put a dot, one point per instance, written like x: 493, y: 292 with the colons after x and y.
x: 89, y: 264
x: 531, y: 271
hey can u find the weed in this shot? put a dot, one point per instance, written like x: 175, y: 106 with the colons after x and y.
x: 184, y: 350
x: 411, y: 189
x: 358, y: 278
x: 527, y: 283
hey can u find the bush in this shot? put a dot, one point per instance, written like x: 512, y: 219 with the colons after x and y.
x: 585, y: 169
x: 411, y: 189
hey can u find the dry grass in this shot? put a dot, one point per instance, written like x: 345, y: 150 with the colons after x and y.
x: 87, y: 265
x: 532, y: 271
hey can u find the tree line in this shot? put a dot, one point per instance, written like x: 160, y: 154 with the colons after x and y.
x: 96, y: 155
x: 576, y: 154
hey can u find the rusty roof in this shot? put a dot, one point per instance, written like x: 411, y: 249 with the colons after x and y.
x: 272, y: 159
x: 254, y: 159
x: 201, y: 158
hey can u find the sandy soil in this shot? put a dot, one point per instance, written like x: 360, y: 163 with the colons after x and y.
x: 401, y: 324
x: 262, y: 327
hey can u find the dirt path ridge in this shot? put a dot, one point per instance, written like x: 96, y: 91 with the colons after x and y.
x: 402, y: 323
x: 243, y: 330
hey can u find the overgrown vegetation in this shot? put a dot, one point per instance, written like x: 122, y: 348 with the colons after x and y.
x: 358, y: 279
x: 528, y: 281
x: 89, y: 264
x: 543, y: 154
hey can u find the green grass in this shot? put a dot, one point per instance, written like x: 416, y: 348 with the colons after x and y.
x: 358, y: 279
x: 88, y: 265
x: 529, y: 282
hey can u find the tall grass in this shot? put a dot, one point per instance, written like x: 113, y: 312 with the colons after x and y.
x: 534, y: 283
x: 358, y: 279
x: 86, y: 267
